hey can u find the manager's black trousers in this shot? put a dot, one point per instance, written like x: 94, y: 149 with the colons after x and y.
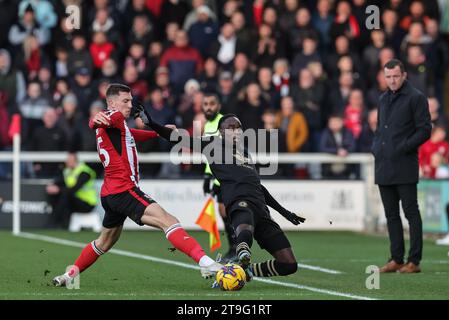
x: 407, y: 194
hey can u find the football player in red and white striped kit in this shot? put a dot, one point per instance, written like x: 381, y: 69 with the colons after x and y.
x: 120, y: 193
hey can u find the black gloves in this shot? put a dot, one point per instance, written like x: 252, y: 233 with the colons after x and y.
x: 138, y: 110
x: 292, y: 217
x: 206, y: 183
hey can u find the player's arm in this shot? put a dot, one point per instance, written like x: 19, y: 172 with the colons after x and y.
x: 83, y: 178
x: 272, y: 202
x: 171, y: 134
x: 143, y: 135
x: 100, y: 120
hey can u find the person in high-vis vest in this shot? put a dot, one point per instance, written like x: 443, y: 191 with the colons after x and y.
x: 73, y: 192
x: 211, y: 108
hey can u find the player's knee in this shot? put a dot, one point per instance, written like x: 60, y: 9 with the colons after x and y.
x: 284, y: 269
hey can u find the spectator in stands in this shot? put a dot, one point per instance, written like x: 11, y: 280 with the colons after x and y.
x: 266, y: 48
x: 31, y: 58
x: 309, y: 54
x: 48, y: 137
x: 417, y: 14
x: 227, y: 93
x: 73, y: 192
x: 345, y: 22
x: 183, y: 61
x: 270, y: 18
x: 338, y: 97
x: 302, y: 28
x: 338, y: 140
x: 83, y: 88
x: 12, y: 81
x: 60, y: 91
x: 173, y: 11
x: 437, y: 56
x: 139, y: 87
x: 281, y: 77
x: 142, y: 31
x: 32, y: 109
x: 293, y: 129
x: 69, y: 120
x: 137, y: 59
x: 371, y: 52
x: 28, y: 26
x: 203, y: 32
x: 79, y: 55
x: 393, y: 33
x: 288, y: 15
x: 416, y: 36
x: 170, y: 34
x: 354, y: 112
x: 100, y: 49
x: 342, y: 48
x: 242, y: 74
x: 309, y: 99
x: 366, y: 138
x: 109, y: 70
x: 162, y: 81
x: 85, y: 135
x: 192, y: 16
x: 153, y: 58
x: 250, y: 109
x: 322, y: 21
x: 225, y: 47
x: 184, y: 109
x: 104, y: 23
x: 436, y: 144
x: 436, y: 116
x: 243, y: 33
x: 61, y: 64
x: 417, y: 71
x: 44, y: 12
x: 269, y: 93
x: 208, y: 79
x: 375, y: 92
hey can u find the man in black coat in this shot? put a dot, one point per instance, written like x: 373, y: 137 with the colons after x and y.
x: 403, y: 125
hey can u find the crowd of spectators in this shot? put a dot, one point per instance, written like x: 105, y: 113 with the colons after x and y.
x: 309, y: 68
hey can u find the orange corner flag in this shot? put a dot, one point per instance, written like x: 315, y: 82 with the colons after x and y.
x: 208, y: 222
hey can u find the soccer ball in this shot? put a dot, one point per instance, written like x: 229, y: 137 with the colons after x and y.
x: 231, y: 277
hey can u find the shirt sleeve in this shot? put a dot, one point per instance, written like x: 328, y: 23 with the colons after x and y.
x: 143, y: 135
x: 116, y: 118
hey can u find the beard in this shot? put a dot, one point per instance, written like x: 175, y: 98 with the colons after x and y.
x: 210, y: 116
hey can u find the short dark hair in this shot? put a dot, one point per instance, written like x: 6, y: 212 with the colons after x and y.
x: 226, y: 116
x: 114, y: 89
x: 211, y: 94
x: 393, y: 63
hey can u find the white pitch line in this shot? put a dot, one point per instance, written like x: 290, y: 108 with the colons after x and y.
x: 186, y: 265
x: 317, y: 268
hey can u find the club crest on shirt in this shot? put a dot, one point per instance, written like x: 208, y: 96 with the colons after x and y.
x: 243, y: 204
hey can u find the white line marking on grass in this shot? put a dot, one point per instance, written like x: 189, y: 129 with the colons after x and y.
x: 317, y: 268
x: 186, y: 265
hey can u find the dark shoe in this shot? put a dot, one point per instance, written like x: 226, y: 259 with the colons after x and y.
x: 230, y: 256
x: 410, y: 267
x: 390, y: 267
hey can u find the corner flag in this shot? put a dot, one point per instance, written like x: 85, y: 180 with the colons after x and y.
x: 208, y: 222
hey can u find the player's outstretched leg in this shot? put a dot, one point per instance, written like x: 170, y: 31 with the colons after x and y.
x: 90, y: 254
x: 283, y: 264
x: 156, y: 216
x: 243, y: 223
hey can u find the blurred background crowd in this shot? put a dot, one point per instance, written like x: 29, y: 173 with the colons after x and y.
x: 309, y: 68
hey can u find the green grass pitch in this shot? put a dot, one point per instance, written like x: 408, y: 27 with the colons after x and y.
x: 28, y: 265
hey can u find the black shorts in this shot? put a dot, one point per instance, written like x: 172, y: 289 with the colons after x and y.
x: 131, y: 203
x: 267, y: 232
